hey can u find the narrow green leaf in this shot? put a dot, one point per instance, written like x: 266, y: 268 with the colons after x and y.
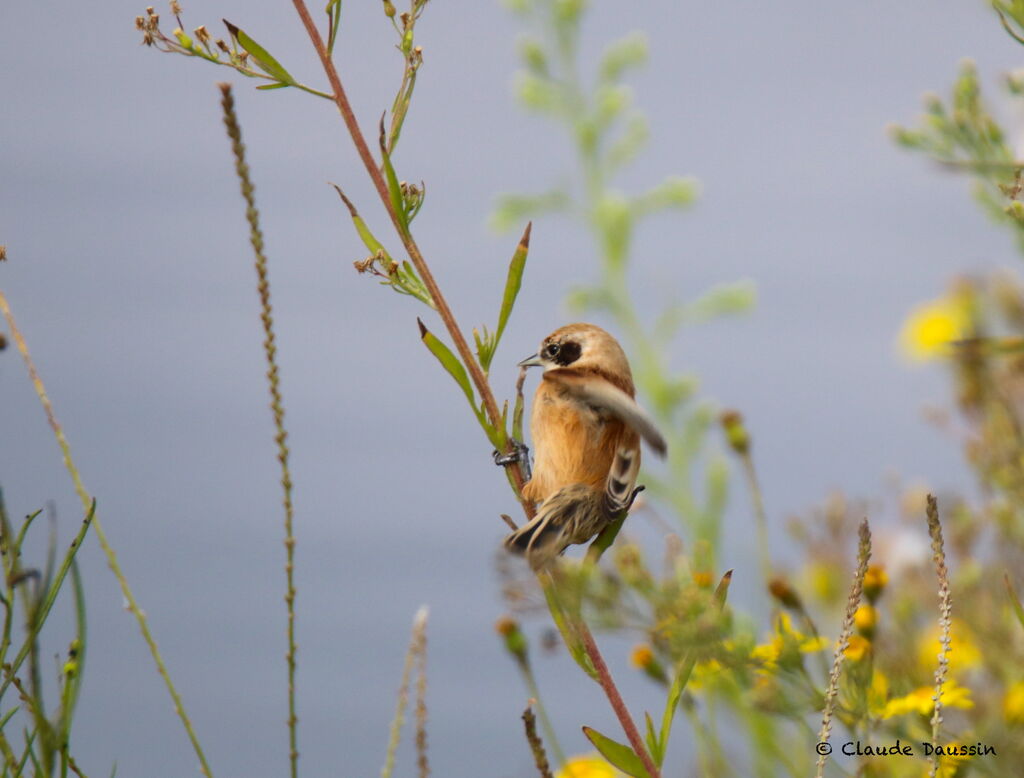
x: 43, y: 610
x: 653, y: 743
x: 449, y: 362
x: 1014, y: 599
x: 273, y: 86
x: 569, y: 636
x: 619, y: 755
x: 262, y: 57
x: 513, y: 282
x: 722, y: 590
x: 394, y: 190
x: 333, y: 11
x: 367, y: 237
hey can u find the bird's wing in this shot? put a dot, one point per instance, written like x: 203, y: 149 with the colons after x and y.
x: 601, y: 393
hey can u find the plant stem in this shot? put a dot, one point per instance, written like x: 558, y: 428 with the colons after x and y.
x: 604, y: 677
x: 341, y: 100
x: 276, y: 403
x: 475, y: 372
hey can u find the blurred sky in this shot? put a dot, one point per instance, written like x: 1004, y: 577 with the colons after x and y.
x: 131, y: 276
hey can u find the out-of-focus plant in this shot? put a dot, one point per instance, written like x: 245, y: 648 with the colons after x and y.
x: 28, y: 595
x: 964, y: 135
x: 608, y: 132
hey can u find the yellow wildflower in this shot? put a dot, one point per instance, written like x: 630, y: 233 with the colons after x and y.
x: 703, y: 674
x: 920, y: 700
x: 1013, y: 703
x: 865, y: 618
x: 786, y: 644
x: 932, y: 326
x: 858, y: 648
x: 875, y: 580
x: 951, y: 759
x: 587, y: 766
x: 964, y: 652
x: 641, y: 656
x: 703, y: 579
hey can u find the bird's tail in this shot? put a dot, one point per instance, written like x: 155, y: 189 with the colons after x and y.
x: 576, y: 513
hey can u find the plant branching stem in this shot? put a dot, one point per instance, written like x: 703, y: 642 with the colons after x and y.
x: 475, y: 372
x: 341, y: 100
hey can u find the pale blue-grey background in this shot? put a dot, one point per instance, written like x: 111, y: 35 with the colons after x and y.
x: 131, y: 275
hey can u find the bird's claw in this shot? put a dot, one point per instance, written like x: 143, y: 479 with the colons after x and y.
x: 520, y: 454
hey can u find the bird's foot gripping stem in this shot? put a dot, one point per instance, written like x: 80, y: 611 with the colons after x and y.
x: 520, y: 453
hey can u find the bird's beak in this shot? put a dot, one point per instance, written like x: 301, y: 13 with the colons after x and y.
x: 533, y: 361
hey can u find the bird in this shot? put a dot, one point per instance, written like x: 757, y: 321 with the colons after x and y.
x: 586, y: 428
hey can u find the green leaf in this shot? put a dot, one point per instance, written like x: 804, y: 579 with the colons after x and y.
x: 722, y: 590
x: 394, y: 190
x: 262, y: 57
x: 367, y: 237
x: 565, y: 627
x: 653, y: 743
x: 449, y: 362
x: 273, y: 86
x: 333, y: 11
x: 619, y: 755
x: 513, y: 282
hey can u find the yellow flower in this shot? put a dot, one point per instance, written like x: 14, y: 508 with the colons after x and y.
x: 858, y: 648
x: 964, y: 652
x: 782, y: 645
x: 1013, y: 703
x: 932, y: 326
x: 587, y: 766
x: 950, y: 761
x: 875, y: 580
x: 920, y: 700
x: 641, y: 656
x: 703, y: 579
x: 703, y: 674
x: 865, y: 618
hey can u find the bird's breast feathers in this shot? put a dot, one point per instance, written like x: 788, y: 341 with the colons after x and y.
x: 574, y: 442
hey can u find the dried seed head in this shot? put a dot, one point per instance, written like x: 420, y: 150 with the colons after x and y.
x: 784, y: 593
x: 201, y: 34
x: 735, y: 431
x: 140, y: 23
x: 175, y: 7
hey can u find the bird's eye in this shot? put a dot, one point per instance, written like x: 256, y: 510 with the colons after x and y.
x: 551, y: 350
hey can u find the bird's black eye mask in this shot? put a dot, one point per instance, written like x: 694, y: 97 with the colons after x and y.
x: 563, y: 354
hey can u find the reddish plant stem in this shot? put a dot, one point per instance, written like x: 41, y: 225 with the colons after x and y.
x: 341, y: 100
x: 477, y: 375
x: 604, y: 677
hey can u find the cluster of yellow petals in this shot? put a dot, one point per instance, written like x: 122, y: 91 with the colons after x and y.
x: 964, y: 653
x: 587, y: 766
x: 1013, y: 703
x: 786, y: 637
x: 932, y: 326
x: 920, y: 700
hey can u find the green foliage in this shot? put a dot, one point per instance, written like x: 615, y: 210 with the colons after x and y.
x: 619, y: 755
x: 47, y: 736
x: 963, y: 135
